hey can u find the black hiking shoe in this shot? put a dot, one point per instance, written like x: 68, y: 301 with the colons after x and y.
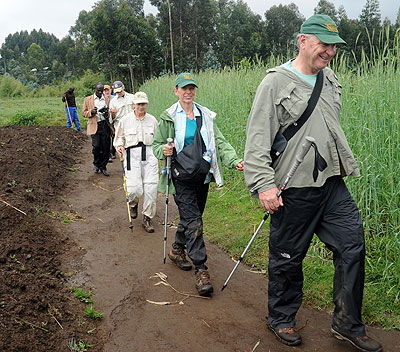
x: 203, y: 284
x: 96, y: 169
x: 104, y: 172
x: 288, y: 336
x: 147, y: 225
x: 362, y: 343
x: 178, y: 256
x: 134, y: 211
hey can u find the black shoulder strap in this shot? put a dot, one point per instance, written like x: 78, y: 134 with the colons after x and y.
x: 312, y: 102
x: 199, y: 119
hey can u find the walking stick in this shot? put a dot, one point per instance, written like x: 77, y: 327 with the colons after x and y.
x: 126, y: 193
x: 169, y: 141
x: 299, y: 158
x: 68, y: 114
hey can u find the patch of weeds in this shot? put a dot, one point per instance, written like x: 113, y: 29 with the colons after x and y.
x: 80, y: 322
x: 29, y: 191
x: 81, y: 346
x: 65, y: 217
x: 91, y: 331
x: 72, y: 169
x: 12, y: 183
x: 91, y: 313
x: 82, y: 295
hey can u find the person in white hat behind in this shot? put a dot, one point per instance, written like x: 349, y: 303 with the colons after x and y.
x: 133, y: 139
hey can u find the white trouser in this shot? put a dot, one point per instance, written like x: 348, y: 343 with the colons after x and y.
x: 142, y: 178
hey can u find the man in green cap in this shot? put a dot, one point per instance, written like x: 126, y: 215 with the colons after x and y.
x: 316, y: 199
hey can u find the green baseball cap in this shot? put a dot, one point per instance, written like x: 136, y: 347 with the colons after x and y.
x: 323, y: 27
x: 185, y: 79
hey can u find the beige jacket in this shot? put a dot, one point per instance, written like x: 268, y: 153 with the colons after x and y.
x: 88, y: 106
x: 280, y: 100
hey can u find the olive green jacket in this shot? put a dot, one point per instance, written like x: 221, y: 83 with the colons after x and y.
x: 280, y: 100
x: 221, y: 150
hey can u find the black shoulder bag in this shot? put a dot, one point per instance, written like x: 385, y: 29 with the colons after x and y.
x: 281, y: 139
x: 189, y: 165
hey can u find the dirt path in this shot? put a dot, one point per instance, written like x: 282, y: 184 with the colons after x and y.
x: 119, y: 265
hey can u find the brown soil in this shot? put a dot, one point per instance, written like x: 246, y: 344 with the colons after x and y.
x: 41, y: 257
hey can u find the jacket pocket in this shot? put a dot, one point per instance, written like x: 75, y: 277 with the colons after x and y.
x: 131, y: 137
x: 292, y: 104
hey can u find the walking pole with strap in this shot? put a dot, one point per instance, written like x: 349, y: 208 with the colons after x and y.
x: 168, y: 169
x: 299, y: 159
x: 68, y: 114
x: 126, y: 193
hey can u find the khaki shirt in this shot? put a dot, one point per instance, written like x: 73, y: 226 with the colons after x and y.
x: 280, y: 100
x: 131, y: 130
x: 124, y: 106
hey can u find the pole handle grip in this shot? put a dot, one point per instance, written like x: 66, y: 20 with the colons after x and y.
x: 169, y: 142
x: 300, y: 157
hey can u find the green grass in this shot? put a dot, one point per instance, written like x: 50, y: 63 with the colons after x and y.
x: 48, y: 111
x: 82, y: 295
x: 91, y: 313
x: 371, y: 121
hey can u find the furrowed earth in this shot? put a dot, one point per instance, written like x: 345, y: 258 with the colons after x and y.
x: 64, y: 228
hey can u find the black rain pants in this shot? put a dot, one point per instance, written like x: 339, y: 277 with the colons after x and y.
x: 101, y: 145
x: 191, y: 200
x: 330, y: 213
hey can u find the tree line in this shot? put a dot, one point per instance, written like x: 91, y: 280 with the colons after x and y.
x: 117, y: 39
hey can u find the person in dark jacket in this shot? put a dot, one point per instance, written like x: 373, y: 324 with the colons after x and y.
x: 70, y: 108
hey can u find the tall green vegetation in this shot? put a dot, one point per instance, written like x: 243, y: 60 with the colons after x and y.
x: 371, y: 120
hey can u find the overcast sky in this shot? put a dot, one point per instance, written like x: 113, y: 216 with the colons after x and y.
x: 56, y: 16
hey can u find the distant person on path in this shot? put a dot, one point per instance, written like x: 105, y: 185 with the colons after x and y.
x: 316, y: 199
x: 107, y: 94
x: 70, y: 108
x: 133, y: 139
x: 121, y: 104
x: 95, y: 108
x: 196, y: 135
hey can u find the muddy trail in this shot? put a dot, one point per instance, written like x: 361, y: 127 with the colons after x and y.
x: 124, y: 269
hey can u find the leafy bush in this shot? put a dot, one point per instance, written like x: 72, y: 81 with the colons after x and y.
x: 26, y: 118
x: 10, y: 87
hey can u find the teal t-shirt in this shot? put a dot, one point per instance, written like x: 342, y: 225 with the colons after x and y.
x: 190, y: 131
x: 311, y: 79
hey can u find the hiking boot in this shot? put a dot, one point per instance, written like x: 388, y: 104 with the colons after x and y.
x: 96, y: 169
x: 362, y: 343
x: 147, y: 224
x: 203, y: 284
x: 104, y: 172
x: 178, y: 256
x: 134, y: 211
x: 288, y: 336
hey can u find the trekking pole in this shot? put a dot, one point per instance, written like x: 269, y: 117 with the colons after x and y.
x: 169, y: 141
x: 68, y: 114
x: 299, y: 158
x: 126, y: 193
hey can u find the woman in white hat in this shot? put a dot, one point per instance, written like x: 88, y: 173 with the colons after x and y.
x: 133, y: 139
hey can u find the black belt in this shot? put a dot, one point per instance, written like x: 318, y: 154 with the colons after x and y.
x: 128, y: 154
